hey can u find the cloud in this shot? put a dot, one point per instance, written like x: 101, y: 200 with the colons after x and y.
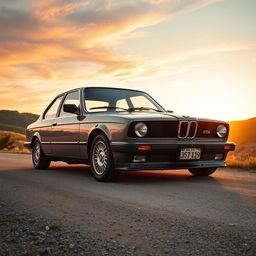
x: 23, y: 97
x: 46, y: 34
x: 61, y: 40
x: 178, y: 62
x: 53, y: 13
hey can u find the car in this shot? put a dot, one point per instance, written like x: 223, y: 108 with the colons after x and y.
x: 115, y: 129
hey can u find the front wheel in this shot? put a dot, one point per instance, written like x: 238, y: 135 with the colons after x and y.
x: 101, y: 159
x: 202, y: 171
x: 39, y: 159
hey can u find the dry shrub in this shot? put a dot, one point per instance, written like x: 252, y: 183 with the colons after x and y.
x: 17, y: 140
x: 248, y: 163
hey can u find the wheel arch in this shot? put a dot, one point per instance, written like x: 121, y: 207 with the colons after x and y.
x: 35, y: 136
x: 98, y: 129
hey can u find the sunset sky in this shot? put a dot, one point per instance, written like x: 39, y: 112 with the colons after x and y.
x: 195, y: 57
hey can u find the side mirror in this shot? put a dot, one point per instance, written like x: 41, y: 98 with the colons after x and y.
x: 169, y: 111
x: 71, y: 108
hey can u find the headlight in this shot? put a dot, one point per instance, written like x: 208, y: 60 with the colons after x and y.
x: 140, y: 129
x: 221, y: 131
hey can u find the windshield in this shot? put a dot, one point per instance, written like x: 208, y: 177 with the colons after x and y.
x: 108, y: 99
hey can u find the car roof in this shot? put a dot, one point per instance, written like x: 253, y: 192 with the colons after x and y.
x: 98, y: 87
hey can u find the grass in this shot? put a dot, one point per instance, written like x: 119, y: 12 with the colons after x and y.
x: 18, y: 139
x: 12, y: 128
x: 249, y: 163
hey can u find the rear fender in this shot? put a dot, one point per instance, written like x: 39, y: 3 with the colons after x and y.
x: 36, y: 135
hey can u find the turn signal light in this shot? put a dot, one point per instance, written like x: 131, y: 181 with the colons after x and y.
x: 144, y: 147
x: 227, y: 147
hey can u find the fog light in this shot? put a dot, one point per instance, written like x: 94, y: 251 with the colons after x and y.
x: 139, y: 159
x: 218, y: 156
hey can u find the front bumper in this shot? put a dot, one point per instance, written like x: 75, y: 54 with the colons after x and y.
x: 165, y: 155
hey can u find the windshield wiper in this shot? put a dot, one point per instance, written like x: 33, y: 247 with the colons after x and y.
x: 109, y: 108
x: 129, y: 109
x: 144, y: 108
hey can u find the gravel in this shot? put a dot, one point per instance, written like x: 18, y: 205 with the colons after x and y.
x: 28, y: 235
x: 136, y: 231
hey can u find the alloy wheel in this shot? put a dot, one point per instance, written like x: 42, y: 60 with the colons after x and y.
x: 100, y: 157
x: 36, y: 153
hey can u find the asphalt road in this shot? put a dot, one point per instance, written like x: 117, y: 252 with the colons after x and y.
x: 155, y: 212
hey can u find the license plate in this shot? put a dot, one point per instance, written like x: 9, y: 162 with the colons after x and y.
x: 190, y: 153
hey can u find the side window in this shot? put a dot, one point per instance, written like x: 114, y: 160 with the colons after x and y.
x: 141, y: 101
x: 122, y: 104
x: 52, y: 111
x: 94, y: 104
x: 71, y: 98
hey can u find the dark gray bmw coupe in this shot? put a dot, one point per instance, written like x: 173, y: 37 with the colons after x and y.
x: 118, y: 129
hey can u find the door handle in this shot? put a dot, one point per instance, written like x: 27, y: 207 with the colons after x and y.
x: 54, y: 124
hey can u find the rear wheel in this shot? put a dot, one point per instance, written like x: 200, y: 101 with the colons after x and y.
x: 39, y: 159
x: 202, y: 171
x: 101, y: 159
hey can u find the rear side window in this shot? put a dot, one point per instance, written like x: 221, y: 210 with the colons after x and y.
x: 52, y: 111
x: 71, y: 98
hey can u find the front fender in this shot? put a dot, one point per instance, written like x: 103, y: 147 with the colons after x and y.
x: 104, y: 129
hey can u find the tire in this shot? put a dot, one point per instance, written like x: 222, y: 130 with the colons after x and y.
x: 101, y: 159
x: 202, y: 171
x: 40, y: 161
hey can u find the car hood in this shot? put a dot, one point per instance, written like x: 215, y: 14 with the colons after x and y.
x: 151, y: 116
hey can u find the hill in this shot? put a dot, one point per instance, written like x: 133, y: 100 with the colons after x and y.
x: 15, y: 121
x: 243, y: 133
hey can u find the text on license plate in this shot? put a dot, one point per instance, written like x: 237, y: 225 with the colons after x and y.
x: 190, y: 153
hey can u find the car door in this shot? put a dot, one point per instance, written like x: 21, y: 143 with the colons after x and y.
x: 65, y: 139
x: 48, y: 120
